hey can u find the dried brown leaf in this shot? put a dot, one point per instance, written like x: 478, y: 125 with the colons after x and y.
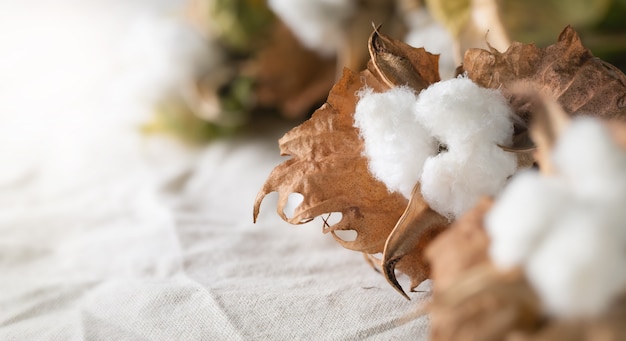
x: 327, y: 167
x: 396, y: 63
x: 565, y: 71
x: 484, y: 304
x: 418, y: 226
x: 460, y: 247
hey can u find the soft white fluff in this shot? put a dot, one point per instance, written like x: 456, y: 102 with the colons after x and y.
x: 542, y: 199
x: 471, y: 121
x: 395, y: 143
x: 317, y: 23
x: 568, y: 232
x: 402, y: 133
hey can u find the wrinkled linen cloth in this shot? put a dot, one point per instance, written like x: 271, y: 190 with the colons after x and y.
x: 109, y: 234
x: 150, y: 253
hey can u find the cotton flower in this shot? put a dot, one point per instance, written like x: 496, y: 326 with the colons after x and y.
x: 568, y: 232
x: 446, y: 138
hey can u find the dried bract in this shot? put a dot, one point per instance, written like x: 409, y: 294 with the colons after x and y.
x: 567, y: 71
x: 327, y: 168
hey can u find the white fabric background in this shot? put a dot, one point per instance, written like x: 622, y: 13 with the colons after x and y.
x: 106, y: 234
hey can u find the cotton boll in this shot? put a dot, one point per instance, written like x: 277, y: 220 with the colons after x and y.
x: 521, y: 216
x: 402, y: 134
x: 318, y: 24
x: 470, y: 121
x: 578, y: 270
x: 568, y: 231
x: 458, y: 110
x: 395, y: 144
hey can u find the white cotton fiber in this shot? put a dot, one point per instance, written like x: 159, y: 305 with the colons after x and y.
x: 568, y: 232
x: 578, y: 269
x: 523, y: 230
x: 459, y: 111
x: 470, y: 121
x: 454, y: 181
x: 318, y: 24
x: 395, y: 143
x: 403, y: 133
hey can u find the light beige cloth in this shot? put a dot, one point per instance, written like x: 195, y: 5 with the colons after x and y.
x: 155, y: 255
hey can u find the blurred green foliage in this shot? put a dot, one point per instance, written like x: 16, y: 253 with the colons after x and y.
x: 242, y: 25
x: 239, y: 27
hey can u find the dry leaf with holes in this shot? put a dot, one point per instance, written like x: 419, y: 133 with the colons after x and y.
x: 327, y: 168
